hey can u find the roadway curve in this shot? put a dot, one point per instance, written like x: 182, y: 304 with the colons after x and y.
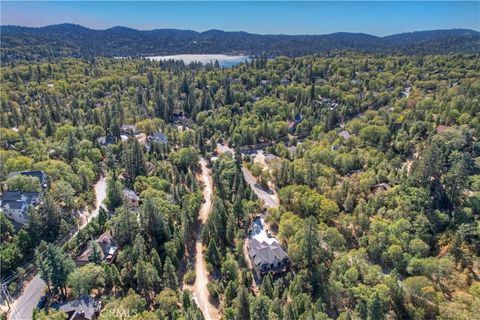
x: 22, y: 308
x: 200, y: 291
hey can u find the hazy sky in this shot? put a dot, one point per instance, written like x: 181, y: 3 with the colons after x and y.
x: 288, y: 17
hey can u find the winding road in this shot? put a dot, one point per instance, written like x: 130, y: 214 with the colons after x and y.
x: 22, y: 308
x: 200, y: 291
x: 269, y: 197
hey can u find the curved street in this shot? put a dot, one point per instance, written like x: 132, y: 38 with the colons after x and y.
x: 22, y: 308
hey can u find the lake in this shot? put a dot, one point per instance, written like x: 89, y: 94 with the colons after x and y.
x: 223, y: 60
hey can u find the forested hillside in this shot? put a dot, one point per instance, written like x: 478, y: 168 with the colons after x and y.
x: 375, y: 159
x: 68, y: 40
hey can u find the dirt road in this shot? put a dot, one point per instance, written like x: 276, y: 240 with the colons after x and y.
x: 200, y: 291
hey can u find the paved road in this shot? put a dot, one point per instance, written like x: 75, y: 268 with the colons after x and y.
x: 200, y: 291
x: 23, y: 307
x: 270, y: 197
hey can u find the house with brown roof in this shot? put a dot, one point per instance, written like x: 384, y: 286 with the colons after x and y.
x: 108, y: 253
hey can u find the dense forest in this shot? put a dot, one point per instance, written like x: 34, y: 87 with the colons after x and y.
x: 375, y: 158
x: 68, y: 40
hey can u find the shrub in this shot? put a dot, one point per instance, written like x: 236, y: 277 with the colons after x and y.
x: 189, y: 277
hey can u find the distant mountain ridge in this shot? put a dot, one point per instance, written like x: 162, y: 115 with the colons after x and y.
x: 77, y: 41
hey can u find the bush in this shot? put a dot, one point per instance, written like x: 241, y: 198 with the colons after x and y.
x: 189, y: 277
x: 212, y: 288
x: 12, y: 287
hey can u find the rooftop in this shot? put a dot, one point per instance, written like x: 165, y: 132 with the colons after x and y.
x: 130, y: 194
x: 40, y: 175
x: 84, y: 307
x: 263, y: 252
x: 345, y: 134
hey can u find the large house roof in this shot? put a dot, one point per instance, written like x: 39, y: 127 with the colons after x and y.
x: 130, y: 194
x: 263, y: 252
x: 40, y: 175
x: 106, y: 242
x: 18, y: 197
x: 84, y: 307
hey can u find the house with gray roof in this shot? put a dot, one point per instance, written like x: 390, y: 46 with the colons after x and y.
x: 128, y: 129
x: 267, y: 257
x: 344, y: 134
x: 133, y: 200
x: 158, y: 137
x: 40, y: 175
x: 15, y: 205
x: 265, y: 252
x: 85, y: 307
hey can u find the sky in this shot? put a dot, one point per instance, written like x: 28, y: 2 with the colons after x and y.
x: 271, y: 17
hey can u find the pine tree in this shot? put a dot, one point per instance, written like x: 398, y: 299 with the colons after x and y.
x: 157, y: 263
x: 139, y: 250
x: 133, y: 159
x: 260, y: 307
x: 230, y: 294
x: 71, y: 146
x: 169, y: 275
x: 231, y: 229
x: 114, y: 193
x: 375, y: 309
x: 42, y: 265
x: 153, y: 223
x: 267, y: 285
x: 60, y: 266
x: 243, y: 304
x: 212, y: 255
x: 125, y: 225
x: 96, y: 252
x: 147, y: 278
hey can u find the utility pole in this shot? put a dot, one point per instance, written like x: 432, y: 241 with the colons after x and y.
x: 5, y: 296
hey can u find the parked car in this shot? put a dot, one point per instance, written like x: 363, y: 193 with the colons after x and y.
x: 43, y: 301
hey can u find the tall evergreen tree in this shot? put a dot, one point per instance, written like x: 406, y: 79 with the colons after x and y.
x: 169, y: 275
x: 133, y: 159
x: 243, y: 304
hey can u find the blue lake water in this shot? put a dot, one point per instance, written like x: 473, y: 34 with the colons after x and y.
x: 223, y: 60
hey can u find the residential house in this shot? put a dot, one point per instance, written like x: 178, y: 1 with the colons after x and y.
x: 83, y: 308
x: 109, y: 249
x: 133, y: 200
x: 156, y: 137
x: 344, y: 134
x: 284, y: 82
x: 106, y: 140
x: 269, y: 158
x: 128, y: 129
x: 265, y: 252
x: 40, y: 175
x: 15, y: 205
x: 292, y: 125
x: 380, y: 187
x: 267, y: 257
